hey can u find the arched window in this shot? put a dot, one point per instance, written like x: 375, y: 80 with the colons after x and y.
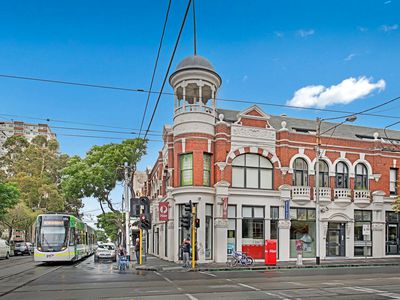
x: 252, y: 171
x: 342, y: 175
x: 361, y: 182
x: 300, y: 172
x: 323, y: 174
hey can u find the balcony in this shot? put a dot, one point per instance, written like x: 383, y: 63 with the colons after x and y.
x: 301, y: 194
x: 342, y: 196
x: 362, y: 198
x: 324, y: 195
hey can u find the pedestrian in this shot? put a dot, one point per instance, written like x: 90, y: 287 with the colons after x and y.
x: 186, y: 253
x: 137, y: 250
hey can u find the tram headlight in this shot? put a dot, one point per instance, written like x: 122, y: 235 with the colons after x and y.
x: 63, y: 248
x: 39, y: 248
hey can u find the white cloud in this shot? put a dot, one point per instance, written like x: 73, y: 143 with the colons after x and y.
x: 362, y: 29
x: 350, y: 56
x: 279, y: 34
x: 305, y: 33
x: 345, y: 92
x: 388, y: 28
x: 387, y: 2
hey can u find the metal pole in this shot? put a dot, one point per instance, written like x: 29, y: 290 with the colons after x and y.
x: 317, y: 209
x: 140, y: 246
x: 194, y: 246
x: 126, y: 196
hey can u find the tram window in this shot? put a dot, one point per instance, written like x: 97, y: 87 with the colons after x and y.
x: 71, y: 237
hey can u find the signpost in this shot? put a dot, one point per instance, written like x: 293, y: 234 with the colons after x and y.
x: 225, y: 208
x: 163, y: 211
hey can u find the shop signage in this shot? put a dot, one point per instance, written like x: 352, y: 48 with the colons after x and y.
x: 366, y: 229
x: 287, y: 210
x: 163, y: 211
x: 225, y: 208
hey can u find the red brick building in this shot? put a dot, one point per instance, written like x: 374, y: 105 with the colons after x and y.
x: 255, y: 163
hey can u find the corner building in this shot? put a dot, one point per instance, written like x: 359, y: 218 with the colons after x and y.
x: 241, y: 167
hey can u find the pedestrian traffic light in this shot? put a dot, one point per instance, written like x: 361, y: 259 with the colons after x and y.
x: 186, y: 215
x: 197, y: 223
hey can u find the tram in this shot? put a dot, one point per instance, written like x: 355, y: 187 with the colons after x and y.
x: 62, y: 237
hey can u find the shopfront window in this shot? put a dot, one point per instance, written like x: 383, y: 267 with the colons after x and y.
x: 392, y: 233
x: 253, y: 231
x: 231, y: 241
x: 209, y: 231
x: 342, y: 175
x: 362, y: 243
x: 302, y: 228
x: 274, y: 222
x: 393, y: 181
x: 300, y: 172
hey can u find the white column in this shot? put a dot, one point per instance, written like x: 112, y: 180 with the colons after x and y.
x: 239, y: 227
x: 284, y: 240
x: 201, y: 232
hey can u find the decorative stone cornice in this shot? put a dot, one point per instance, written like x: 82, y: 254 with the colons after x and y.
x: 284, y: 224
x: 221, y: 223
x: 378, y: 226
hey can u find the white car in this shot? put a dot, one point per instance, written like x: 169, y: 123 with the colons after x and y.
x: 4, y: 249
x: 105, y: 251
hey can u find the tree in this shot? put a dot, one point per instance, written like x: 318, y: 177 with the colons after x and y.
x: 110, y: 222
x: 9, y: 196
x: 19, y: 217
x: 98, y: 173
x: 101, y: 236
x: 36, y: 168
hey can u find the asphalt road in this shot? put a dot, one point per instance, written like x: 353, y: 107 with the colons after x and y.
x: 21, y: 278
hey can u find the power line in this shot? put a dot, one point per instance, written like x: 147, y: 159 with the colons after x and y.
x: 169, y: 67
x: 172, y: 94
x: 155, y: 66
x: 101, y: 137
x: 69, y: 122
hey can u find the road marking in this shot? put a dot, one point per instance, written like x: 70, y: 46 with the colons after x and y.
x: 295, y: 283
x: 373, y: 291
x: 191, y: 297
x: 333, y: 283
x: 229, y: 279
x: 249, y: 286
x: 209, y: 274
x: 275, y: 295
x: 163, y: 277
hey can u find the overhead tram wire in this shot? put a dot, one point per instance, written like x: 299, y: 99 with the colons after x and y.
x: 169, y: 67
x: 172, y: 94
x: 155, y: 67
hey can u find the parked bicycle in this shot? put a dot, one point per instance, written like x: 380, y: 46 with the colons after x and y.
x: 240, y: 258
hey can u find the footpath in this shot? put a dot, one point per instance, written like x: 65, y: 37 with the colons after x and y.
x: 156, y: 264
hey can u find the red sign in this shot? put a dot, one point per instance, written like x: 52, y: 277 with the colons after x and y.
x: 270, y: 252
x: 224, y: 208
x: 163, y: 211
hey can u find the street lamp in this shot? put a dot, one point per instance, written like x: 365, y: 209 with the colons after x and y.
x: 318, y: 134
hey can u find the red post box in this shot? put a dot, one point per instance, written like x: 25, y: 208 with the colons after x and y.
x: 270, y: 252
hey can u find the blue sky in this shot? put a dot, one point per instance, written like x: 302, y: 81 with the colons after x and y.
x: 264, y: 51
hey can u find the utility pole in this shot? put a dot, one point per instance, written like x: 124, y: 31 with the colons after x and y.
x: 126, y: 211
x: 317, y: 208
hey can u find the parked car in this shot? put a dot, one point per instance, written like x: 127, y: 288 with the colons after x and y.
x: 22, y: 248
x: 4, y: 249
x: 105, y: 251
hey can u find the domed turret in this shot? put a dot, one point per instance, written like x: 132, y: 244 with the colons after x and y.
x: 195, y: 85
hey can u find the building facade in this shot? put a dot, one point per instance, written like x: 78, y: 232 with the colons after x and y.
x: 18, y: 128
x: 251, y: 176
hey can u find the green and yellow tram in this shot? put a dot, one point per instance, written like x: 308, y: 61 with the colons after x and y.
x: 62, y: 237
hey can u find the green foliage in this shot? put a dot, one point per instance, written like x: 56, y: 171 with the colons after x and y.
x: 36, y: 169
x: 110, y: 222
x: 101, y: 236
x: 9, y: 195
x: 97, y: 174
x: 19, y: 217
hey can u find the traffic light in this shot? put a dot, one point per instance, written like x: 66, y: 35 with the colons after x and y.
x: 186, y: 215
x: 197, y: 222
x: 144, y: 223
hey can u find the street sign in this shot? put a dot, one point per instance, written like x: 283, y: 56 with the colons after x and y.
x: 287, y: 209
x: 225, y: 208
x: 163, y: 211
x: 366, y: 229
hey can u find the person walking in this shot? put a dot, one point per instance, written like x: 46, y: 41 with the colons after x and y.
x: 137, y: 250
x: 186, y: 253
